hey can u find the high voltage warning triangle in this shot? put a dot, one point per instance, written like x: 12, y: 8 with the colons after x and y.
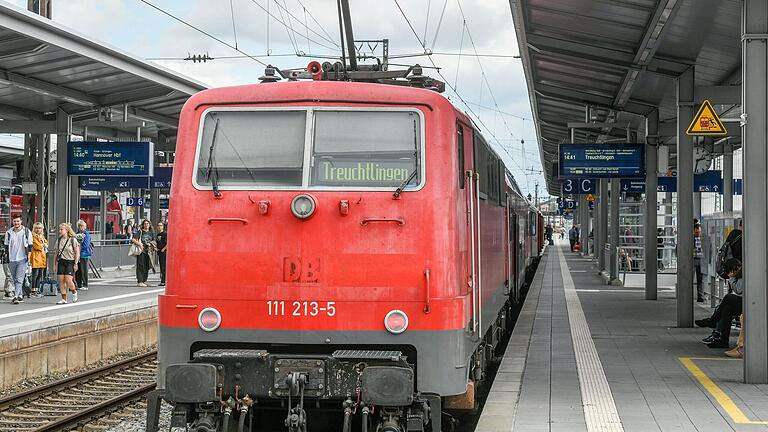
x: 706, y: 122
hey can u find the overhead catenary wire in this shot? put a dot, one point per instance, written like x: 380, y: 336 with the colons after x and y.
x: 282, y: 22
x: 232, y: 12
x: 322, y: 28
x: 439, y: 24
x: 199, y: 30
x: 461, y: 98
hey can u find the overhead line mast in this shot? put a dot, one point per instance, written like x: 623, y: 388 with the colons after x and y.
x: 347, y: 19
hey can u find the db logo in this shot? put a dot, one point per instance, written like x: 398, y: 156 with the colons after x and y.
x: 301, y: 269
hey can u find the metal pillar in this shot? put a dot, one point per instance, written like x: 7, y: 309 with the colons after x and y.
x: 102, y: 214
x: 697, y: 205
x: 614, y: 231
x: 727, y: 177
x: 754, y: 132
x: 154, y: 205
x: 603, y: 210
x: 651, y: 180
x: 63, y: 129
x: 684, y: 289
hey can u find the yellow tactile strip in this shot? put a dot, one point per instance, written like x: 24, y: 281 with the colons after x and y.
x: 600, y: 410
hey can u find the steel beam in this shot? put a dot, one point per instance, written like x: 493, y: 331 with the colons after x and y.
x: 728, y: 177
x: 651, y: 199
x: 47, y: 89
x: 604, y: 202
x: 685, y: 111
x: 754, y: 53
x: 28, y: 126
x: 730, y: 94
x: 61, y: 197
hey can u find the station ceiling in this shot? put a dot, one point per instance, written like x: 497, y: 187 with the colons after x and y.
x: 621, y: 58
x: 44, y: 66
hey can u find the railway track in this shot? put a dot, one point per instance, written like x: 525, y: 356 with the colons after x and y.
x: 76, y: 400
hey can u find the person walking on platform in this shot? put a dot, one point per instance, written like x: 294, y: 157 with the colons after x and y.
x: 146, y: 240
x: 162, y: 246
x: 573, y: 237
x: 548, y: 233
x: 67, y: 261
x: 39, y: 257
x: 9, y: 288
x: 86, y: 251
x: 18, y: 241
x: 698, y: 256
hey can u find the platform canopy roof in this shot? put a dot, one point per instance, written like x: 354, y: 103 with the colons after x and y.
x: 45, y: 66
x: 622, y: 58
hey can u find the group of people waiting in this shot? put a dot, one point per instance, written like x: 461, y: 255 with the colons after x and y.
x: 26, y: 251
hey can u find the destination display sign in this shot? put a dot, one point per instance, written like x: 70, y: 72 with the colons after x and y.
x: 121, y: 158
x: 601, y: 160
x: 344, y: 172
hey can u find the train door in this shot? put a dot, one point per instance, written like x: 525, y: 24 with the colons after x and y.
x: 513, y: 250
x: 470, y: 187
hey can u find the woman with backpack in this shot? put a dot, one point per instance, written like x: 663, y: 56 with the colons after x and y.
x: 39, y: 257
x: 67, y: 260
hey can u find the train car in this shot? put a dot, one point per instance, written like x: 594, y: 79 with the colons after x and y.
x: 340, y: 248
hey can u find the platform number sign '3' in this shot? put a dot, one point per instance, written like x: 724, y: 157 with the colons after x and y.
x: 306, y: 270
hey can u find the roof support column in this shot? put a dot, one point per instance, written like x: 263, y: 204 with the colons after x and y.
x: 684, y: 289
x: 614, y: 232
x: 651, y: 184
x: 62, y: 197
x: 603, y: 211
x: 754, y: 133
x: 727, y: 176
x: 697, y: 205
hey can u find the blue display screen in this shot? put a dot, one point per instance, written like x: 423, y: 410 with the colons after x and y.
x: 602, y: 160
x: 119, y: 158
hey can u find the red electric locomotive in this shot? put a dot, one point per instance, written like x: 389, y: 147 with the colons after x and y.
x: 341, y: 247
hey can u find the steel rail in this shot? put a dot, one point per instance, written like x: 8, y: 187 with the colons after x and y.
x: 97, y: 410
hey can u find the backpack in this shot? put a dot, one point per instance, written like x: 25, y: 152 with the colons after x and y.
x: 723, y: 254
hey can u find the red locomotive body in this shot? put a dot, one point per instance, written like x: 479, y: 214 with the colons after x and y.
x: 356, y: 244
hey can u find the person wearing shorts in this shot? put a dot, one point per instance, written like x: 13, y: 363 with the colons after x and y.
x: 67, y: 260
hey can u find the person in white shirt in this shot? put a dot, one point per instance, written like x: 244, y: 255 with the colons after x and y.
x: 18, y: 240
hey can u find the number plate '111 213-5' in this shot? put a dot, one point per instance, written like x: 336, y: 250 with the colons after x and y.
x: 300, y: 308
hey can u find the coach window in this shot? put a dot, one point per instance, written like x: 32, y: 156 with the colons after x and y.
x: 481, y: 164
x: 252, y: 148
x: 366, y: 149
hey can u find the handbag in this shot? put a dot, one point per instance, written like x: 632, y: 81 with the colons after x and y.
x: 49, y: 287
x: 135, y: 250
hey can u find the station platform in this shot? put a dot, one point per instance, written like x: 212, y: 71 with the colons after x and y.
x: 114, y: 316
x: 585, y: 356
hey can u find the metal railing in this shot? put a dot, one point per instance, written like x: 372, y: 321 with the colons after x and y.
x: 112, y: 253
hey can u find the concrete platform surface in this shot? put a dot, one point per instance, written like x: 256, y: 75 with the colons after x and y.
x: 114, y: 293
x: 585, y: 356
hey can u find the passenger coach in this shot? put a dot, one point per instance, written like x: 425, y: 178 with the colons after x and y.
x: 341, y: 248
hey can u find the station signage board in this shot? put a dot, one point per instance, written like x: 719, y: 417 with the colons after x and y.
x: 578, y: 186
x: 161, y: 180
x: 601, y: 160
x: 710, y: 181
x: 115, y: 159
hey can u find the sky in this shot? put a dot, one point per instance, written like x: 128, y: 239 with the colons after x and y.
x: 490, y: 87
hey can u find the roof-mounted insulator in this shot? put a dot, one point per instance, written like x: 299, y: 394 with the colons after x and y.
x: 269, y: 75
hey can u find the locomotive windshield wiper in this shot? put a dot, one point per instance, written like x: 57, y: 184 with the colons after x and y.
x: 213, y: 171
x: 405, y: 182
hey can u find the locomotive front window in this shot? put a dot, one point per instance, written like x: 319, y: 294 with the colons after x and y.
x: 366, y: 149
x: 252, y: 148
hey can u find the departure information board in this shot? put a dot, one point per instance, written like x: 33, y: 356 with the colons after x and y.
x: 602, y: 160
x: 119, y: 158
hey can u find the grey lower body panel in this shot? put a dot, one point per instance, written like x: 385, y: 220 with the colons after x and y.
x: 442, y: 356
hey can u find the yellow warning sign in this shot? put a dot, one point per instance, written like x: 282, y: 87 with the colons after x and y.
x: 590, y: 198
x: 706, y: 122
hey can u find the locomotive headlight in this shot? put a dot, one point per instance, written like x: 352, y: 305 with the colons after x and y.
x: 303, y: 206
x: 396, y: 321
x: 209, y: 319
